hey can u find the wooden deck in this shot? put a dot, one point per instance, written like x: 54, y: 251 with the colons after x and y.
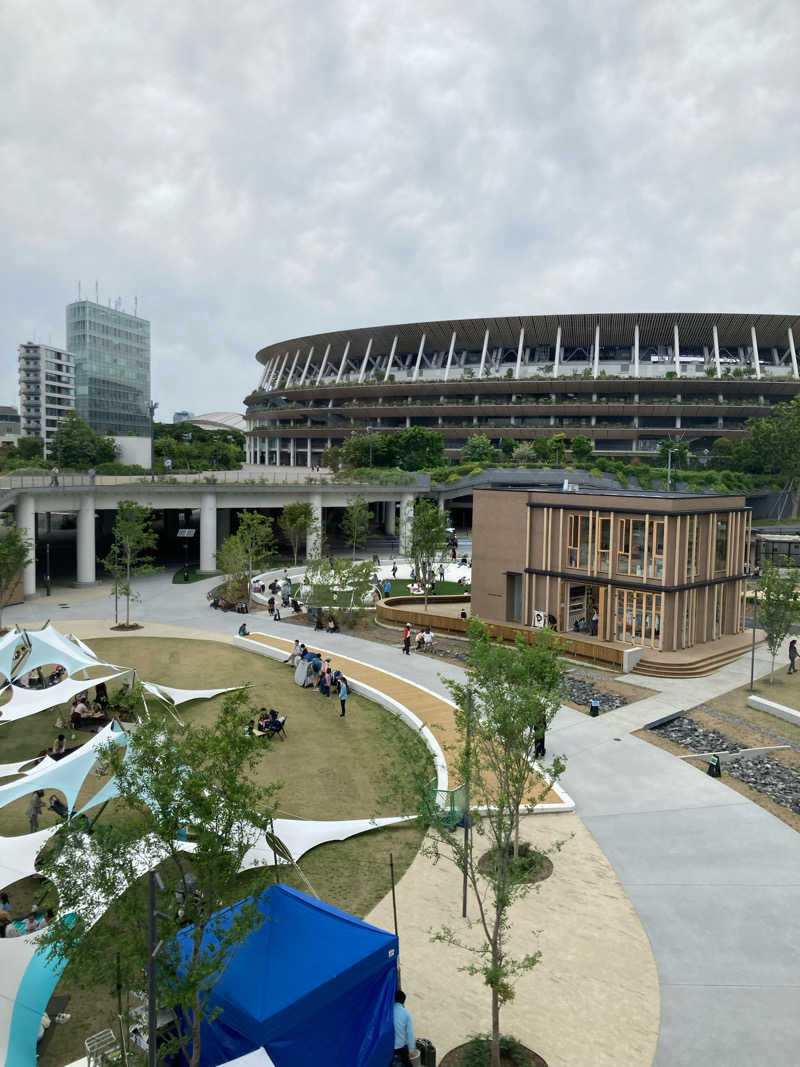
x: 434, y: 711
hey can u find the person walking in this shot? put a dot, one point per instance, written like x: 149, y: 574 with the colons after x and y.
x: 343, y: 696
x: 407, y: 639
x: 593, y: 623
x: 441, y: 572
x: 35, y: 809
x: 387, y: 587
x: 54, y: 478
x: 792, y: 656
x: 404, y: 1041
x: 394, y: 568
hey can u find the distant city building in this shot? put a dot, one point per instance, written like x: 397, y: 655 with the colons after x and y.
x: 111, y: 351
x: 182, y: 416
x: 9, y: 425
x: 46, y: 389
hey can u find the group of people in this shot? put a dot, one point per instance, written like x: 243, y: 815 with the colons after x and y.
x: 32, y: 922
x: 37, y: 679
x: 268, y: 723
x: 423, y: 640
x: 324, y: 676
x: 92, y: 715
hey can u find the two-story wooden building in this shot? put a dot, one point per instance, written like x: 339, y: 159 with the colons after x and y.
x: 663, y: 571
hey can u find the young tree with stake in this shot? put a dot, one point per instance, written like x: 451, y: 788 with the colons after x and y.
x: 427, y: 540
x: 130, y: 555
x: 15, y: 554
x: 355, y: 522
x: 296, y: 521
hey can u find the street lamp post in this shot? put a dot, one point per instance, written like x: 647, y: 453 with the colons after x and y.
x: 669, y: 466
x: 152, y: 408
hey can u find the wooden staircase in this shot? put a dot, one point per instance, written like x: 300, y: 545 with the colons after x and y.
x: 700, y: 660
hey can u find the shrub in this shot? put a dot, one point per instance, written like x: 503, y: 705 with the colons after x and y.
x: 477, y: 1054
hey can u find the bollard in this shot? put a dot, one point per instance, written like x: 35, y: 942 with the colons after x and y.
x: 594, y: 708
x: 714, y: 768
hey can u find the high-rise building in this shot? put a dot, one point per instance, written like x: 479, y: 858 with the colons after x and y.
x: 46, y: 389
x: 111, y: 350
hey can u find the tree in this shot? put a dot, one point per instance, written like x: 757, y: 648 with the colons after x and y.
x: 16, y: 552
x: 478, y: 449
x: 258, y: 542
x: 173, y: 781
x: 581, y: 449
x: 191, y: 447
x: 557, y: 450
x: 772, y: 446
x: 367, y: 450
x: 134, y: 540
x: 296, y: 521
x: 355, y: 522
x: 76, y: 445
x: 233, y: 560
x: 502, y: 710
x: 679, y: 450
x: 30, y: 448
x: 344, y: 584
x: 525, y: 452
x: 416, y: 448
x: 427, y: 539
x: 779, y: 605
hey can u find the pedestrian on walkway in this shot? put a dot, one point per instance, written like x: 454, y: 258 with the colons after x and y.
x: 35, y: 809
x: 54, y: 478
x: 342, y: 696
x: 394, y: 568
x: 404, y: 1041
x: 407, y: 639
x: 792, y: 656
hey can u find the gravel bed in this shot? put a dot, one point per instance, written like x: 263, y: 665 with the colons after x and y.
x: 778, y: 738
x: 583, y: 692
x: 777, y: 781
x: 685, y: 731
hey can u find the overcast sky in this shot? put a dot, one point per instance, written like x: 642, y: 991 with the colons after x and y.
x: 254, y: 170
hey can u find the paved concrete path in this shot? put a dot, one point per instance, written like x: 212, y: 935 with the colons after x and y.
x: 714, y: 878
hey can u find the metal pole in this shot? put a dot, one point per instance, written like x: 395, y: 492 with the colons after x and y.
x: 152, y: 1009
x: 753, y: 646
x: 394, y: 898
x: 467, y: 827
x: 669, y: 467
x: 47, y: 567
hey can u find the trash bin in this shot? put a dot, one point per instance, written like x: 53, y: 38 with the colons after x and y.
x: 594, y: 708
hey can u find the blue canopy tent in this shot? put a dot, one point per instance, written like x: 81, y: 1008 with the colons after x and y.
x: 312, y: 985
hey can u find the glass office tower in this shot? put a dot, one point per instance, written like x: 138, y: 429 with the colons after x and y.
x: 111, y: 353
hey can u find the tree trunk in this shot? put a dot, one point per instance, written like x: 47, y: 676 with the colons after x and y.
x: 516, y: 837
x: 128, y: 594
x: 772, y: 672
x: 495, y: 1043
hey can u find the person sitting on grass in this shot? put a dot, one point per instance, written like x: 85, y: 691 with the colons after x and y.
x: 275, y: 722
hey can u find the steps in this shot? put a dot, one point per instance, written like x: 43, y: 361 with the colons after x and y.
x: 691, y: 666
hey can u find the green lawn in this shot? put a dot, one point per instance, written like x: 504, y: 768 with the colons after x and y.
x: 331, y: 768
x: 400, y: 588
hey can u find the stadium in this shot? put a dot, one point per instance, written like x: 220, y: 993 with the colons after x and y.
x: 625, y: 381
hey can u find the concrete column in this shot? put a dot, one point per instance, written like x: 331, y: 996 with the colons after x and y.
x: 450, y: 356
x: 26, y: 523
x: 389, y: 523
x: 519, y: 353
x: 208, y: 532
x: 391, y: 359
x: 406, y: 517
x: 314, y: 535
x: 754, y: 341
x: 442, y: 504
x: 636, y: 350
x: 483, y: 354
x: 793, y: 353
x: 223, y: 524
x: 291, y: 369
x: 596, y: 353
x: 86, y: 549
x: 716, y: 351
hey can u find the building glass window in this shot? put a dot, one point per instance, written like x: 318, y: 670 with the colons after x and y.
x: 579, y: 543
x: 513, y: 598
x: 630, y: 553
x: 655, y: 549
x: 721, y: 546
x: 603, y: 545
x: 637, y: 617
x: 624, y: 546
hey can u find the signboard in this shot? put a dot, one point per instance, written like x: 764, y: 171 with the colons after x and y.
x: 186, y: 533
x: 539, y: 619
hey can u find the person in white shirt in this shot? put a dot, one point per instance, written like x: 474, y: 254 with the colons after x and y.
x: 404, y: 1041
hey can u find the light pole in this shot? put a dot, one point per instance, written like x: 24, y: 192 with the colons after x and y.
x: 756, y: 575
x: 669, y: 466
x: 152, y: 409
x: 369, y: 433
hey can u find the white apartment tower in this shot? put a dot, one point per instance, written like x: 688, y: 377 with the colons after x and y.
x: 46, y: 389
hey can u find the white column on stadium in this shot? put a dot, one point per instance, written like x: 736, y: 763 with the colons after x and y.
x: 265, y: 376
x: 364, y: 361
x: 291, y: 369
x: 717, y: 361
x: 676, y: 349
x: 519, y: 352
x: 391, y: 359
x: 793, y: 353
x: 596, y: 368
x: 558, y: 352
x: 754, y: 342
x: 636, y: 350
x: 26, y: 524
x: 305, y: 368
x: 322, y: 364
x: 483, y: 354
x: 450, y: 356
x: 419, y: 358
x: 280, y: 372
x: 308, y: 453
x: 344, y: 360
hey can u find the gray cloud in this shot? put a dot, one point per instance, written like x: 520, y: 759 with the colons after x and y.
x: 260, y: 170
